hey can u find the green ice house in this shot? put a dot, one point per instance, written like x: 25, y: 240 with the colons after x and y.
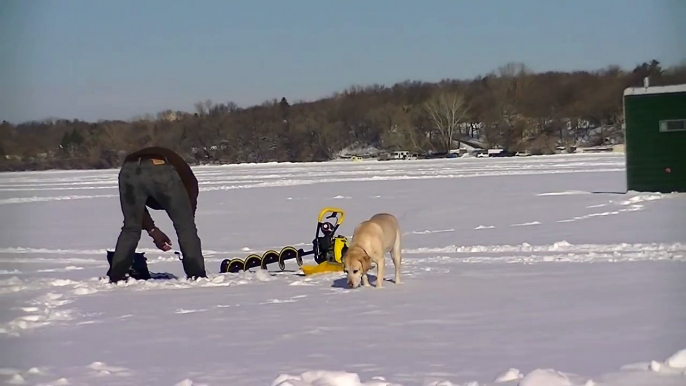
x: 655, y: 138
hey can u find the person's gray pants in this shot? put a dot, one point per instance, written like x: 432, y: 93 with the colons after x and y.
x: 139, y: 180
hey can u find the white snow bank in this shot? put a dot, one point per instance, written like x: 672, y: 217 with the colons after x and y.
x: 671, y: 372
x: 675, y: 364
x: 328, y: 378
x: 16, y: 379
x: 545, y: 377
x: 642, y: 198
x: 508, y: 375
x: 564, y: 193
x: 678, y: 360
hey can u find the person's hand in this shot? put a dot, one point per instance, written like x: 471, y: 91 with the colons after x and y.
x: 161, y: 240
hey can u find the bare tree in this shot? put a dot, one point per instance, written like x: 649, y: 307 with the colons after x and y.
x: 446, y: 111
x: 203, y: 108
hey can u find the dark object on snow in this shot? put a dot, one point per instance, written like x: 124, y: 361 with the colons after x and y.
x: 323, y: 246
x: 655, y: 135
x: 138, y: 269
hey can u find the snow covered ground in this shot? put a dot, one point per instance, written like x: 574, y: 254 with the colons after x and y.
x: 512, y: 268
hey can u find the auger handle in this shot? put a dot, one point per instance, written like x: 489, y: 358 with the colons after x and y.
x: 334, y: 211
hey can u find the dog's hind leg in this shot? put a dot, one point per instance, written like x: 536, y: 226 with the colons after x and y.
x: 395, y: 254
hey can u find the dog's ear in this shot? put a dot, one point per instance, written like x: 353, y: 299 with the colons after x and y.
x: 366, y: 262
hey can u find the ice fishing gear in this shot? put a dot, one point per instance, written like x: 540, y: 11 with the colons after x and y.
x: 139, y: 267
x: 327, y: 248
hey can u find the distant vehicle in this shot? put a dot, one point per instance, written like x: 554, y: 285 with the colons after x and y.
x: 500, y: 153
x: 398, y: 155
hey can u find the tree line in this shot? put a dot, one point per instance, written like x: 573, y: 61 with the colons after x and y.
x: 512, y: 108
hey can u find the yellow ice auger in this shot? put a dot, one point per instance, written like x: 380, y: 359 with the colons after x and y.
x: 327, y: 248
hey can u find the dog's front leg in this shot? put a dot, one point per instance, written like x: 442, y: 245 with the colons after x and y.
x: 380, y: 273
x: 365, y: 280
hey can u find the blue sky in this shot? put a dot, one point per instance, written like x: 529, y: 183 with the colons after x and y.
x: 97, y: 59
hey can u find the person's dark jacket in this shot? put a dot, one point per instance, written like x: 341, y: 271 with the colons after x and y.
x: 182, y: 168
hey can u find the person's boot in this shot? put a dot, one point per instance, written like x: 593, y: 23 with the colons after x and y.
x: 139, y: 268
x: 110, y: 255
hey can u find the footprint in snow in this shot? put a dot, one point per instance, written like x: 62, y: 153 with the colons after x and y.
x: 279, y: 301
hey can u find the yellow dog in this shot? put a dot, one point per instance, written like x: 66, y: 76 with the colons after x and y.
x: 370, y: 242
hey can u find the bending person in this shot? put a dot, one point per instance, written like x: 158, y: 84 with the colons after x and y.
x: 159, y: 179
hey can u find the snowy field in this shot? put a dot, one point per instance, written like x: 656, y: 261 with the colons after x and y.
x: 535, y: 271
